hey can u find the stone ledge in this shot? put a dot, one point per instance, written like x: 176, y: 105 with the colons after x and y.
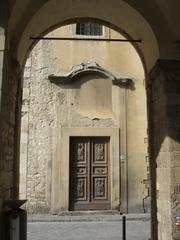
x: 95, y: 217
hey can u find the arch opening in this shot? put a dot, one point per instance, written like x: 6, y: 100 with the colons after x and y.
x: 92, y: 107
x: 148, y: 58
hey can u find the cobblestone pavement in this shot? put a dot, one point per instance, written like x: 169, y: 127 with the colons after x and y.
x: 105, y: 228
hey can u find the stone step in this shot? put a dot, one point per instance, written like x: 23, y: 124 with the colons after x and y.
x: 87, y: 217
x: 89, y: 213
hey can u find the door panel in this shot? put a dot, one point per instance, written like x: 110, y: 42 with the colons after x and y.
x: 80, y: 189
x: 89, y: 180
x: 99, y: 172
x: 79, y: 175
x: 99, y: 188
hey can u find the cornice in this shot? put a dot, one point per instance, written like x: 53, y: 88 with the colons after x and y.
x: 88, y: 68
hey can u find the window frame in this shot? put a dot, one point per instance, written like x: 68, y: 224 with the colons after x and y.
x: 105, y: 32
x: 89, y: 29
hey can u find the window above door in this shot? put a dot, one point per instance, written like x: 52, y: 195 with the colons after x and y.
x: 89, y: 29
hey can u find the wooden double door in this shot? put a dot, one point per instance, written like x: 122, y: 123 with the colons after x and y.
x: 89, y: 173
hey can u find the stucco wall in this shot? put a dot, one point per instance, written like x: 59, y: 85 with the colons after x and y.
x: 53, y: 107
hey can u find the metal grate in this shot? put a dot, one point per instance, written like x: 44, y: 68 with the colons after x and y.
x: 92, y: 29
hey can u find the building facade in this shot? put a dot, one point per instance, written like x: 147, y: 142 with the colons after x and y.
x: 84, y: 124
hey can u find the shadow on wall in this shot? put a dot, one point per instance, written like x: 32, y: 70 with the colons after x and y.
x: 164, y: 121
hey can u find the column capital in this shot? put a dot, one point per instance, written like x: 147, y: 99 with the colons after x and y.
x: 166, y: 66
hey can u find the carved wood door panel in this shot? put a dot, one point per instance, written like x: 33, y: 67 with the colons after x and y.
x: 89, y: 173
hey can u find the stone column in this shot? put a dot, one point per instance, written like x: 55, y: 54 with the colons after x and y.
x: 17, y: 77
x: 9, y: 126
x: 164, y: 132
x: 3, y: 24
x: 2, y: 47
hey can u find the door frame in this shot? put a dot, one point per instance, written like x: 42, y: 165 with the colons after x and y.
x: 61, y: 164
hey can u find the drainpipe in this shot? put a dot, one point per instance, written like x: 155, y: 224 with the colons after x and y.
x: 126, y: 145
x: 123, y: 156
x: 125, y: 83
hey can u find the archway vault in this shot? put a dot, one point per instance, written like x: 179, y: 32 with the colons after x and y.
x: 121, y: 17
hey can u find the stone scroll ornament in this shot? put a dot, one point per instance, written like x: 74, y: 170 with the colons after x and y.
x: 85, y: 68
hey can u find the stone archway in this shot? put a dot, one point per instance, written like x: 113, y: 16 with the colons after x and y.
x: 150, y: 37
x: 70, y: 20
x: 160, y: 89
